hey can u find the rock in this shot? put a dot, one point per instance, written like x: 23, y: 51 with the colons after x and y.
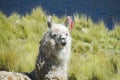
x: 4, y: 75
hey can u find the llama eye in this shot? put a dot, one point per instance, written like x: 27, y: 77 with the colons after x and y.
x: 66, y: 34
x: 54, y: 35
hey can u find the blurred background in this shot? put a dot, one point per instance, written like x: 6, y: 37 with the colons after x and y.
x: 106, y: 10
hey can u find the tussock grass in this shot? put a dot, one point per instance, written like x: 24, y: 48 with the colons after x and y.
x: 95, y: 50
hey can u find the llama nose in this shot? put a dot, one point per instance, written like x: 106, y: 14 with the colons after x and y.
x: 63, y: 42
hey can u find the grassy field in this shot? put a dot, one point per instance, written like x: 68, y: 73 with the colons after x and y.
x: 95, y: 49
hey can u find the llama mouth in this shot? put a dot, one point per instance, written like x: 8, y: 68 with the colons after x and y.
x: 63, y: 44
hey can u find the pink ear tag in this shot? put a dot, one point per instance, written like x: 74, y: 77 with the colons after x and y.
x: 71, y: 24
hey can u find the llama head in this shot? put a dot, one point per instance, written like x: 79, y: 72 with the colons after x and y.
x: 58, y: 32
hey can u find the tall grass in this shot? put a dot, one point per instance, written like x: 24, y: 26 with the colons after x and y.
x: 19, y: 40
x: 95, y: 50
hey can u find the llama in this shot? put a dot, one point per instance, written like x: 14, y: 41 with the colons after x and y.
x: 54, y: 53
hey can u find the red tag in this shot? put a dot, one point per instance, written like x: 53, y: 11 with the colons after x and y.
x: 71, y: 24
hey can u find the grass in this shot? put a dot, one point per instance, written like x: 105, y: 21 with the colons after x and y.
x: 95, y: 50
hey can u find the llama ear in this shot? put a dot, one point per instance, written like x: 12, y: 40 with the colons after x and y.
x: 69, y: 21
x: 49, y: 21
x: 66, y: 23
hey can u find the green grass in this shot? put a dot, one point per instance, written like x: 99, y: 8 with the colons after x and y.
x: 95, y: 50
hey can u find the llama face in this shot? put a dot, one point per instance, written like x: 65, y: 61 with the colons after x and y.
x: 60, y: 34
